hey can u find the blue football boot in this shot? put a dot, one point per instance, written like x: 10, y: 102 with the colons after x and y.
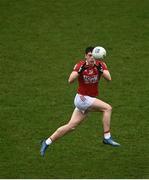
x: 44, y: 146
x: 111, y: 142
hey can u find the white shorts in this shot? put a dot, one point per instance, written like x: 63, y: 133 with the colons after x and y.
x: 82, y: 103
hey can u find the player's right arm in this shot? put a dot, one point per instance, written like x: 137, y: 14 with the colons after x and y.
x: 77, y: 70
x: 74, y: 75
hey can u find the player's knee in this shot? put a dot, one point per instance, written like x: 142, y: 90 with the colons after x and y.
x: 72, y: 127
x: 109, y: 108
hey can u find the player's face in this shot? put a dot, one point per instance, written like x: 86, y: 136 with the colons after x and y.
x: 89, y: 58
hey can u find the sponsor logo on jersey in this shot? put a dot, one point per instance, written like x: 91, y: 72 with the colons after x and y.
x: 90, y: 79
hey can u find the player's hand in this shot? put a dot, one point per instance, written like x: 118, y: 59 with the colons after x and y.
x: 99, y: 68
x: 82, y: 68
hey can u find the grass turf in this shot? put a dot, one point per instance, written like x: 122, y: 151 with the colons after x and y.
x: 40, y: 41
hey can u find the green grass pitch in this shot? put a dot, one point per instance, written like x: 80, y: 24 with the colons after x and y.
x: 40, y: 41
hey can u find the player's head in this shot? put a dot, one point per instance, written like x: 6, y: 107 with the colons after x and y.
x: 88, y: 56
x: 89, y: 49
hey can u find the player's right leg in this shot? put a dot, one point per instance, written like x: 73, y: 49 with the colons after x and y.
x: 76, y: 118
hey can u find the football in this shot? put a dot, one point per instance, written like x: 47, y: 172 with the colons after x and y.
x: 99, y: 52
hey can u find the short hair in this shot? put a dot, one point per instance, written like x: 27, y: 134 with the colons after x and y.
x: 89, y: 49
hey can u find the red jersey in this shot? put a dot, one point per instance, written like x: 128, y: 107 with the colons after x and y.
x: 88, y: 80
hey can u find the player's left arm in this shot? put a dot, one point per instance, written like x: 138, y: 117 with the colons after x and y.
x: 106, y: 73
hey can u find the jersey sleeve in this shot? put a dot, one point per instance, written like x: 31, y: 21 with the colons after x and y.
x: 78, y: 65
x: 103, y: 64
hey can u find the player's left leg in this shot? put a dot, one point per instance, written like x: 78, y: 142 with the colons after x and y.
x: 99, y: 105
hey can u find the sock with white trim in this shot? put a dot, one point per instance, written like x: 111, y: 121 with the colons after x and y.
x: 48, y: 141
x: 107, y: 134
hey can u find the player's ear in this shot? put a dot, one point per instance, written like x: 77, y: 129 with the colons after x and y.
x: 85, y: 56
